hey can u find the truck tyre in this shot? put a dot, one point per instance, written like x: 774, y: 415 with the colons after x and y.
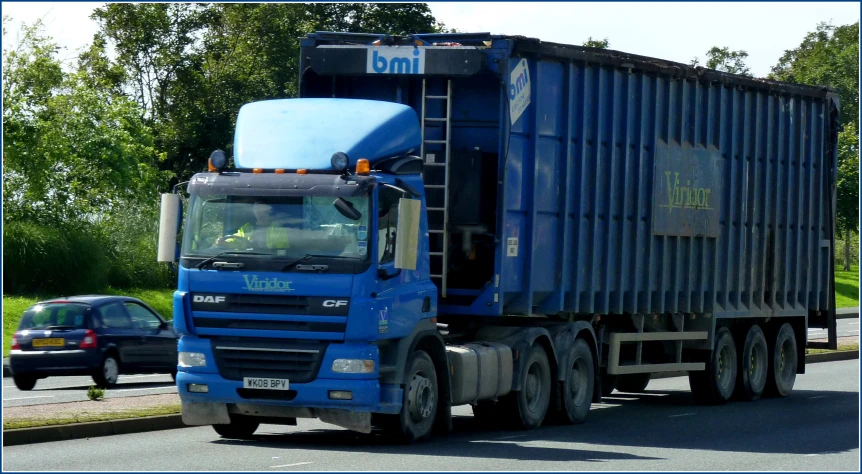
x: 528, y: 406
x: 108, y: 373
x: 715, y: 385
x: 782, y: 362
x: 24, y: 382
x: 753, y: 366
x: 577, y: 392
x: 420, y: 402
x: 239, y: 428
x: 633, y: 383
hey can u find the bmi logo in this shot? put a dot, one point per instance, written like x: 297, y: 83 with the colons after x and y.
x: 253, y: 283
x: 519, y: 90
x: 395, y: 60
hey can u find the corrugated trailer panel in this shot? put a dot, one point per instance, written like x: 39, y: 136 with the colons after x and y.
x: 636, y: 193
x: 625, y: 184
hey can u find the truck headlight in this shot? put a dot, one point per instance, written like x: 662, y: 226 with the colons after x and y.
x: 353, y: 366
x: 192, y: 359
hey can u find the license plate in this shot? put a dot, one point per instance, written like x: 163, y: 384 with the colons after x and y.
x: 265, y: 383
x: 49, y: 342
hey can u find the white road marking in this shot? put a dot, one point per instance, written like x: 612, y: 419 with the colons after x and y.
x: 136, y: 389
x: 124, y: 377
x: 291, y: 465
x: 27, y: 398
x: 510, y: 437
x: 854, y: 331
x: 818, y: 396
x: 854, y: 324
x: 681, y: 414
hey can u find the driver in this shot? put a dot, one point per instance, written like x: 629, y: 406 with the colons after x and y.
x: 266, y: 232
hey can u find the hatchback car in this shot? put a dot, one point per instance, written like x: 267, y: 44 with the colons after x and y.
x: 101, y: 336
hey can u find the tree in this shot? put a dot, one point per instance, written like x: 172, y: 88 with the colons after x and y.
x: 72, y: 148
x: 600, y: 44
x: 723, y: 59
x: 829, y: 56
x: 218, y: 57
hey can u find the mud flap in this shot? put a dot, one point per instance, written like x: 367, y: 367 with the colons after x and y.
x: 354, y: 421
x: 205, y: 413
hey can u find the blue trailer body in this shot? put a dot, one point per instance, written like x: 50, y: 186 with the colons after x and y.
x: 623, y: 184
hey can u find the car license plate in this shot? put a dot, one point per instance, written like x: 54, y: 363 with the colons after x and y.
x: 265, y: 383
x: 49, y: 342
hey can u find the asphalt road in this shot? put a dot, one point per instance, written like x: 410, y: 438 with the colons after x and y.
x: 816, y: 428
x: 73, y: 389
x: 845, y: 328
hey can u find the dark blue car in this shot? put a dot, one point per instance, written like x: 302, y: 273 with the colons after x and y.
x: 101, y: 336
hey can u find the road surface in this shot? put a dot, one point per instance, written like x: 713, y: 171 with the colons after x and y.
x: 73, y: 389
x: 816, y: 428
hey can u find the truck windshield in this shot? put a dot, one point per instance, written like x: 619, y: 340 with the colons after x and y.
x: 275, y: 227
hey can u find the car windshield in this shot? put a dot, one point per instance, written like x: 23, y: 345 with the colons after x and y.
x: 44, y: 316
x: 275, y: 227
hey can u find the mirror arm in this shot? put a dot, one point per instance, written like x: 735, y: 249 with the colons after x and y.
x: 384, y: 275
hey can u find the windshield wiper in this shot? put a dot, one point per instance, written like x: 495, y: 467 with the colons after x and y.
x: 312, y: 255
x: 227, y: 252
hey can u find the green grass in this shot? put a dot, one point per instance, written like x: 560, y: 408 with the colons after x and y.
x: 846, y: 347
x: 18, y: 423
x: 846, y: 287
x: 14, y: 306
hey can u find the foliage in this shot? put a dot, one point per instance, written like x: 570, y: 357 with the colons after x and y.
x: 600, y: 44
x: 723, y: 59
x: 72, y: 148
x: 847, y: 288
x: 95, y: 394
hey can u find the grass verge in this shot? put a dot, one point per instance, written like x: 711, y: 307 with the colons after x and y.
x: 14, y: 306
x: 846, y: 287
x: 19, y: 423
x: 848, y: 347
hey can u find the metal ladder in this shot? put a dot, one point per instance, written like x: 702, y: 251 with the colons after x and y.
x: 442, y: 253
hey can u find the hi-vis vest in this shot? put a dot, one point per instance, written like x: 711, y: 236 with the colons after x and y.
x: 276, y: 236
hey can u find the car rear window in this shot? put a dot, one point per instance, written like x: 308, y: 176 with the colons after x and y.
x: 43, y: 316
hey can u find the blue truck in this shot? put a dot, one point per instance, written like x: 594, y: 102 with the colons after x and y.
x: 521, y: 226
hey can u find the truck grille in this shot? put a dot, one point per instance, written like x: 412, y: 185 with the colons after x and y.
x: 297, y: 361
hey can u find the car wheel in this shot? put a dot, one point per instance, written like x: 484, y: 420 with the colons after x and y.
x: 24, y: 382
x: 108, y: 373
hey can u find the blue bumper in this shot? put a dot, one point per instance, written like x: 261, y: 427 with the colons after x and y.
x: 368, y: 395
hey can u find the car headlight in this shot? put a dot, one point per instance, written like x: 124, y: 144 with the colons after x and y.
x: 353, y: 366
x: 192, y: 359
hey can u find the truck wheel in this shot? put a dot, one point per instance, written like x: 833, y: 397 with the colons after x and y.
x: 633, y: 383
x: 239, y: 428
x: 715, y: 385
x: 108, y: 373
x: 24, y: 382
x: 529, y: 406
x: 753, y: 366
x: 578, y: 385
x: 782, y: 363
x: 420, y: 402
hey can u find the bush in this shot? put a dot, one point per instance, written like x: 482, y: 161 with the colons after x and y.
x: 133, y: 234
x: 94, y: 393
x: 44, y: 259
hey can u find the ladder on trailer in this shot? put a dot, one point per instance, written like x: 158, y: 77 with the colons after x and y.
x: 432, y: 180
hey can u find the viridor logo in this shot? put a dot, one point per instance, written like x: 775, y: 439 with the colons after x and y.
x: 253, y: 283
x: 393, y: 60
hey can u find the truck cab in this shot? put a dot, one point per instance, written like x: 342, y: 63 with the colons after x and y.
x: 296, y: 265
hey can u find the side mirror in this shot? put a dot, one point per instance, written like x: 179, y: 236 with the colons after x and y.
x: 169, y: 227
x: 346, y: 209
x: 407, y: 244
